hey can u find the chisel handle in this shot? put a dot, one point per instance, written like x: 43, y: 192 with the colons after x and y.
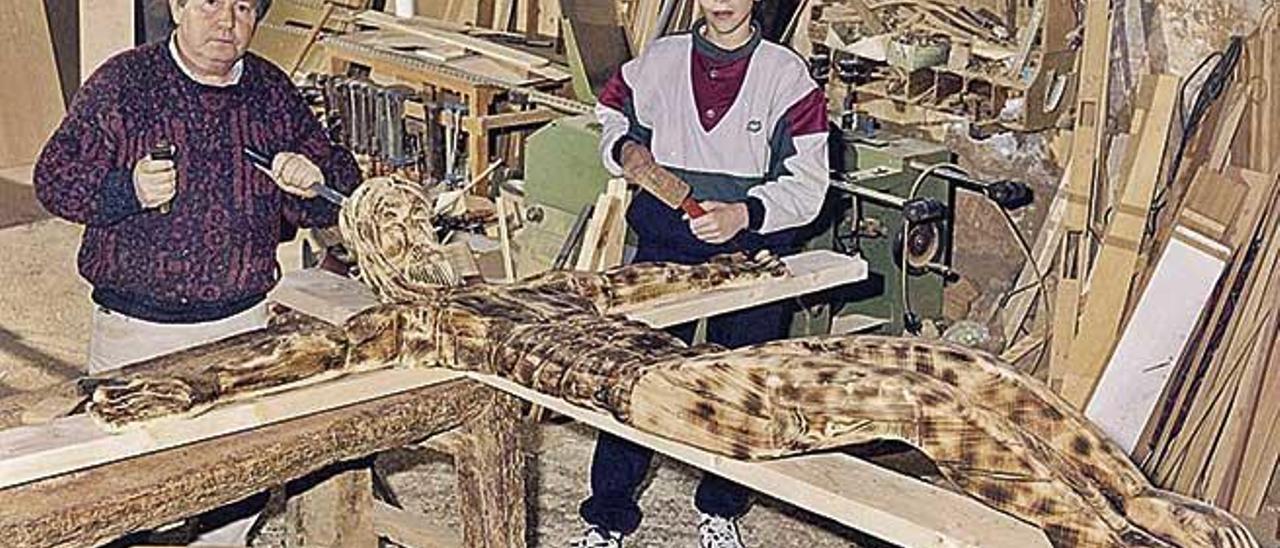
x: 164, y: 150
x: 692, y: 208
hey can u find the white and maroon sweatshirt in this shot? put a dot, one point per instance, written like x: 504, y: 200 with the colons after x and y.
x: 747, y: 125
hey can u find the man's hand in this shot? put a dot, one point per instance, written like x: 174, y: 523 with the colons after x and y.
x: 295, y: 174
x: 154, y: 182
x: 721, y: 223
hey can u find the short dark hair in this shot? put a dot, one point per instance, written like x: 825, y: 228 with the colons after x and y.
x: 263, y: 6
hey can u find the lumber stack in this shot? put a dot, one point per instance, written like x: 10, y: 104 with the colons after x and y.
x: 1167, y: 340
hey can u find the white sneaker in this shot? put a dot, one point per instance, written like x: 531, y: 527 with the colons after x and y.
x: 718, y: 532
x: 596, y: 537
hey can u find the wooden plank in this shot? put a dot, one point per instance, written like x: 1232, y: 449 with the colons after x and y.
x: 33, y: 453
x: 1113, y: 272
x: 811, y: 272
x: 588, y: 255
x: 337, y: 512
x: 106, y: 28
x: 615, y: 234
x: 411, y: 530
x: 888, y: 505
x: 97, y: 505
x: 32, y: 109
x: 1087, y: 148
x: 504, y: 236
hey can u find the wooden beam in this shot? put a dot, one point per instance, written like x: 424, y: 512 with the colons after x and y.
x: 1114, y: 269
x: 1086, y: 154
x: 853, y: 492
x: 105, y: 502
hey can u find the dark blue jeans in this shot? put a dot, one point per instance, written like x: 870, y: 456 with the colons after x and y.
x: 619, y: 467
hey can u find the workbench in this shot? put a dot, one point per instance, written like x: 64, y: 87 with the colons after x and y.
x: 177, y: 467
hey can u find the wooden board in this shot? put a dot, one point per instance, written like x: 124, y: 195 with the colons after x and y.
x: 811, y: 272
x: 1156, y: 336
x: 29, y: 110
x: 75, y: 443
x: 323, y: 294
x: 1113, y: 271
x: 106, y: 28
x: 1087, y: 150
x: 851, y: 491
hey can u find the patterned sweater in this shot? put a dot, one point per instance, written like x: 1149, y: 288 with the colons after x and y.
x: 214, y: 253
x: 747, y: 125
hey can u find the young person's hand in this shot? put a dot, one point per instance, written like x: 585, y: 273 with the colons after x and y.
x: 721, y: 223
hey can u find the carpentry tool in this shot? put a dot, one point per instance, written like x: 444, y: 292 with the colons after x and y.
x: 669, y: 189
x: 164, y: 150
x: 263, y: 163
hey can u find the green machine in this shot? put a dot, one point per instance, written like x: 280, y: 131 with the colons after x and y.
x: 878, y: 178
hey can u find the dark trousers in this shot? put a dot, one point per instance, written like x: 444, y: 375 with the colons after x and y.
x: 619, y: 467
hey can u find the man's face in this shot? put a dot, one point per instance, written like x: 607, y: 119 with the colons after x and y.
x: 214, y: 34
x: 726, y: 16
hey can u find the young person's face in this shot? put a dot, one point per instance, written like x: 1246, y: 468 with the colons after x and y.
x: 727, y: 17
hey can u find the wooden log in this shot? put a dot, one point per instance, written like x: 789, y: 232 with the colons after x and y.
x: 490, y: 467
x: 337, y: 512
x: 105, y: 502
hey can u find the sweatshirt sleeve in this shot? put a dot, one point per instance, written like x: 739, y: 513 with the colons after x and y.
x: 78, y: 175
x: 796, y: 183
x: 616, y: 110
x: 338, y: 165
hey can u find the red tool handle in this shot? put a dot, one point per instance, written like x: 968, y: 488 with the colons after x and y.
x: 692, y: 208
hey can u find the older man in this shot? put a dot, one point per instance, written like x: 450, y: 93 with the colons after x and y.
x: 181, y: 251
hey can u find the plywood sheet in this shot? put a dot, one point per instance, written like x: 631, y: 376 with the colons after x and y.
x: 1156, y: 336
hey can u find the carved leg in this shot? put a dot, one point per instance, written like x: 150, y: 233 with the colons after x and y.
x: 490, y: 464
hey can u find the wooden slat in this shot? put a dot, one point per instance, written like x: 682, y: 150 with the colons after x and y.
x: 337, y: 512
x: 31, y: 109
x: 811, y: 272
x: 1114, y: 267
x: 856, y: 493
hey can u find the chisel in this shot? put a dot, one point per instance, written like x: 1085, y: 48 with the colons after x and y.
x: 263, y: 163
